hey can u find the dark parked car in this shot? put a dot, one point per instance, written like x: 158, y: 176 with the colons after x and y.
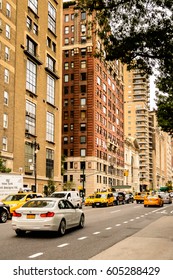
x: 129, y: 198
x: 119, y: 198
x: 4, y: 212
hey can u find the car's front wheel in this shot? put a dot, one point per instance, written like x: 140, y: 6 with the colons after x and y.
x: 62, y: 227
x: 3, y: 217
x: 82, y: 221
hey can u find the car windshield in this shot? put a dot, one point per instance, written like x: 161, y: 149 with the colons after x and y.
x: 59, y: 195
x: 152, y: 196
x: 101, y: 195
x: 15, y: 197
x: 39, y: 204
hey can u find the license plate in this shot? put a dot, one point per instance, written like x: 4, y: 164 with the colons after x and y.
x: 30, y: 216
x: 97, y: 203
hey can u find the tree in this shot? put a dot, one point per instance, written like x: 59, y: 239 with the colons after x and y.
x: 3, y: 169
x: 139, y: 33
x: 50, y: 188
x: 69, y: 186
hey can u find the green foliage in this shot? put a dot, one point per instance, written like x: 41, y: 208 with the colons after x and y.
x: 139, y: 33
x: 50, y: 188
x: 3, y: 169
x: 63, y: 158
x: 69, y: 186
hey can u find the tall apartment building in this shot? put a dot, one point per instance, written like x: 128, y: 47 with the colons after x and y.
x: 136, y: 119
x: 31, y: 89
x: 92, y: 120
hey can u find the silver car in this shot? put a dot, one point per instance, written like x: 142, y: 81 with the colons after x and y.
x: 166, y: 197
x: 47, y: 214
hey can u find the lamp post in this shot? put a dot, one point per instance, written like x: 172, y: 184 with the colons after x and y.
x: 36, y: 147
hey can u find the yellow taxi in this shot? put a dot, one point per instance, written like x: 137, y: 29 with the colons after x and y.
x: 140, y: 196
x: 89, y: 200
x: 153, y: 200
x: 103, y: 199
x: 17, y: 200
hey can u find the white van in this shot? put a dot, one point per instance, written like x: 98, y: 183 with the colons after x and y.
x: 72, y: 196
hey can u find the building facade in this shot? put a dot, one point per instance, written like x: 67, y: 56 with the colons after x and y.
x: 136, y: 122
x: 162, y: 155
x: 31, y: 90
x: 92, y: 119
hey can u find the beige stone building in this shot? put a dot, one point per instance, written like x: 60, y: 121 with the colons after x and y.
x: 131, y: 164
x: 136, y: 119
x: 31, y: 89
x: 162, y: 155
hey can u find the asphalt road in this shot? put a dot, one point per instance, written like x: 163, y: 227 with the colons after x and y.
x: 104, y: 227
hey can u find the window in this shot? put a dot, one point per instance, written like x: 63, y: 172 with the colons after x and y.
x: 82, y: 127
x: 66, y: 53
x: 83, y: 101
x: 33, y: 5
x: 83, y: 15
x: 65, y: 115
x: 83, y: 28
x: 50, y: 63
x: 72, y: 28
x: 29, y: 23
x: 83, y: 51
x: 53, y: 47
x: 7, y: 31
x: 30, y: 119
x: 50, y: 127
x: 4, y: 144
x: 51, y: 18
x: 65, y: 127
x: 5, y: 97
x: 83, y: 139
x: 49, y: 163
x: 71, y: 139
x: 66, y: 78
x: 83, y: 89
x: 66, y: 30
x: 83, y: 115
x: 50, y: 90
x: 8, y: 10
x: 7, y: 53
x: 71, y: 126
x: 83, y: 76
x: 66, y: 66
x: 31, y: 46
x: 5, y: 120
x: 72, y: 64
x: 65, y: 102
x: 82, y: 152
x: 66, y: 18
x: 83, y: 64
x: 6, y: 76
x: 31, y: 76
x: 66, y: 90
x: 66, y: 41
x: 35, y: 29
x: 65, y: 140
x: 83, y: 39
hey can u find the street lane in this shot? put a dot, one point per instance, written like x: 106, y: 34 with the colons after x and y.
x: 104, y: 228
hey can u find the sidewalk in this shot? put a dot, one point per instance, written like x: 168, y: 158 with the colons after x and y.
x: 154, y: 242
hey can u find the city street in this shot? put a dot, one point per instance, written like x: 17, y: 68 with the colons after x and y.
x: 104, y: 227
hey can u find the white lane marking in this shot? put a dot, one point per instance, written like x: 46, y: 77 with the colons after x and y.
x: 108, y: 228
x: 131, y: 220
x: 137, y: 217
x: 35, y: 255
x: 146, y: 214
x: 82, y: 238
x: 114, y: 211
x: 97, y: 232
x: 142, y: 216
x: 63, y: 245
x: 125, y: 222
x: 117, y: 225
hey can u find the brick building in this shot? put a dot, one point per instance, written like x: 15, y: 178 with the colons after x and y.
x: 92, y: 108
